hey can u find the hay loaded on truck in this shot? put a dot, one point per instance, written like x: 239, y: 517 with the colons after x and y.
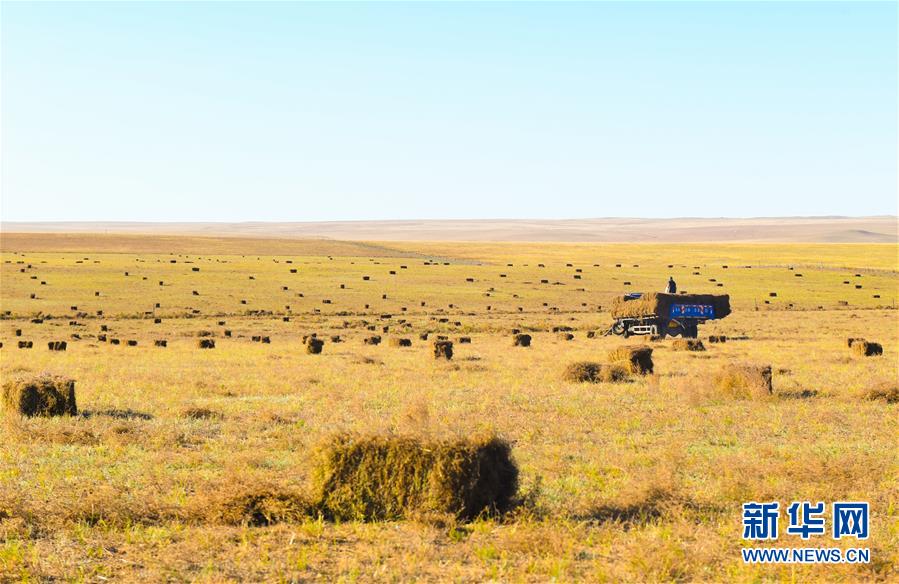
x: 660, y: 314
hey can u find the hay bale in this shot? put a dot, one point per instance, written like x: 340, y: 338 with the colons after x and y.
x: 717, y: 338
x: 314, y: 345
x: 160, y: 343
x: 637, y: 358
x: 566, y: 336
x: 887, y: 391
x: 866, y: 348
x: 197, y: 413
x: 443, y: 349
x: 400, y: 342
x: 423, y: 336
x: 521, y: 340
x: 372, y: 340
x: 390, y: 478
x: 57, y: 345
x: 40, y: 396
x: 464, y: 340
x: 588, y: 372
x: 259, y: 507
x: 852, y: 340
x: 205, y: 344
x: 744, y: 381
x: 687, y: 345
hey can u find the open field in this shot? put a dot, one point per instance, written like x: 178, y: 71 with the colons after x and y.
x: 638, y: 481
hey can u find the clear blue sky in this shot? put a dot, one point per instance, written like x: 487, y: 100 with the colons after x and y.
x: 298, y: 111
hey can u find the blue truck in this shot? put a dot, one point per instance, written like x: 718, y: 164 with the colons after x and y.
x: 659, y: 314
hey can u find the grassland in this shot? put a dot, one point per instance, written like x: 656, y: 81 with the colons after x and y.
x: 639, y: 481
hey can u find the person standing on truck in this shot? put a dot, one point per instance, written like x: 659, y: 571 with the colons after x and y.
x: 671, y: 288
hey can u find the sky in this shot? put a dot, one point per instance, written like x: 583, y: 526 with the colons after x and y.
x: 214, y: 111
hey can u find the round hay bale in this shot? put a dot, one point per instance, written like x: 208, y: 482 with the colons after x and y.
x: 637, y: 358
x: 423, y: 336
x: 57, y: 345
x: 205, y: 344
x: 744, y: 381
x: 400, y: 342
x: 687, y: 345
x: 161, y: 343
x: 40, y: 396
x: 464, y: 340
x: 443, y: 350
x: 372, y: 340
x: 521, y: 340
x: 314, y: 345
x: 565, y: 336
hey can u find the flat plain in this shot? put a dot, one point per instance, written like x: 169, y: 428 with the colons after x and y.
x: 639, y: 481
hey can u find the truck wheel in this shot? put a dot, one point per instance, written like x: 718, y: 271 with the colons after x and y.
x: 618, y: 328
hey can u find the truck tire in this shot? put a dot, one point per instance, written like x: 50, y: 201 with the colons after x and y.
x: 691, y: 330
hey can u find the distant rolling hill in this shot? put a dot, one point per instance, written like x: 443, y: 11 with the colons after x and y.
x: 880, y: 229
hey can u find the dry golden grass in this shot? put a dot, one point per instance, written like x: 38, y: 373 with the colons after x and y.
x: 190, y: 464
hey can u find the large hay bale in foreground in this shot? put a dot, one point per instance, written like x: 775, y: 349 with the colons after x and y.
x: 521, y: 340
x: 687, y: 345
x: 589, y: 372
x: 443, y: 349
x: 659, y: 304
x: 637, y: 358
x: 742, y: 380
x: 388, y: 478
x: 864, y: 348
x: 40, y: 396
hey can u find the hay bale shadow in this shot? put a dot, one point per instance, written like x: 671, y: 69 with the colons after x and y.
x: 125, y: 414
